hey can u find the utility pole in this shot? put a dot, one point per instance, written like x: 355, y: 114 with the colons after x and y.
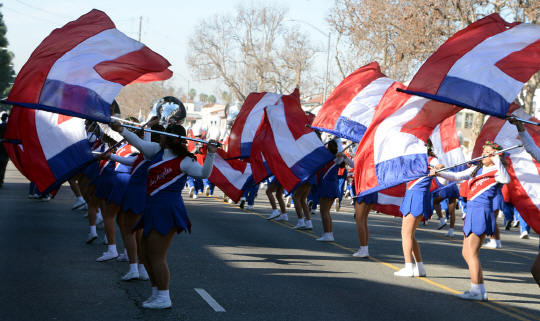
x: 140, y: 27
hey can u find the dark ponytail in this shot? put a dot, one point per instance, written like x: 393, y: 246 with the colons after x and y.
x: 177, y: 144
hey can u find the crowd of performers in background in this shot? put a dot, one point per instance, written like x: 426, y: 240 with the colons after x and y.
x: 119, y: 186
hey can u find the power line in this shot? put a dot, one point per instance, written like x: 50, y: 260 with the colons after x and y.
x: 24, y: 14
x: 51, y: 13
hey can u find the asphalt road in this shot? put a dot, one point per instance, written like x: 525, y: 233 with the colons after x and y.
x: 253, y: 268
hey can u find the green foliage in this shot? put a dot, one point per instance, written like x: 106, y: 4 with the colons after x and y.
x: 7, y: 74
x: 192, y: 93
x: 212, y: 99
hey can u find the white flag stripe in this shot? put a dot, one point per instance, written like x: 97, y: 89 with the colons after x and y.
x: 77, y: 65
x: 391, y: 141
x: 478, y: 65
x: 362, y: 108
x: 285, y: 141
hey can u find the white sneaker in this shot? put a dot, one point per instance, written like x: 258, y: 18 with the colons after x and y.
x: 463, y: 216
x: 99, y: 220
x: 130, y: 276
x: 326, y: 238
x: 300, y: 226
x: 158, y: 304
x: 289, y: 199
x: 250, y: 207
x: 225, y: 198
x: 361, y: 254
x: 275, y: 213
x: 307, y: 227
x: 78, y: 204
x: 475, y: 297
x: 282, y: 218
x: 30, y: 196
x: 84, y: 207
x: 449, y: 234
x: 85, y: 215
x: 515, y: 224
x: 91, y: 238
x: 242, y: 202
x: 46, y: 198
x: 207, y: 190
x: 105, y: 240
x: 524, y: 235
x: 191, y: 191
x: 143, y: 276
x: 441, y: 224
x: 230, y: 201
x: 149, y: 300
x: 419, y: 272
x: 107, y: 256
x: 123, y: 257
x: 195, y: 196
x: 36, y: 196
x: 490, y: 245
x: 405, y: 272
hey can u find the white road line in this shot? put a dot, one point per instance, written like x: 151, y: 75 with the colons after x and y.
x: 210, y: 300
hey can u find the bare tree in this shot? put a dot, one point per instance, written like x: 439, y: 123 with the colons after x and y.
x: 139, y: 97
x: 250, y: 51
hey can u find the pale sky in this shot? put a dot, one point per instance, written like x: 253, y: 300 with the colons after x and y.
x: 166, y: 26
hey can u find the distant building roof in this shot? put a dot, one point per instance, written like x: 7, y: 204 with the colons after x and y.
x: 316, y: 100
x: 209, y: 105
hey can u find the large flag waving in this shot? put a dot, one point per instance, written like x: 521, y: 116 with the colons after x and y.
x: 483, y: 67
x: 349, y: 110
x: 293, y: 151
x: 230, y: 176
x: 524, y: 187
x: 446, y: 144
x: 80, y: 68
x: 76, y: 71
x: 393, y: 150
x: 248, y: 120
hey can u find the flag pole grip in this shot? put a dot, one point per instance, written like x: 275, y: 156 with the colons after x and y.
x: 478, y: 158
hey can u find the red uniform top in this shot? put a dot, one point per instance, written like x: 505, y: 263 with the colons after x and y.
x: 464, y: 189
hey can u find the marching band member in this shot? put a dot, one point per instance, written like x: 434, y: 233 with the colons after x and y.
x: 164, y: 213
x: 485, y: 180
x: 281, y: 213
x: 415, y: 206
x: 329, y: 189
x: 362, y: 207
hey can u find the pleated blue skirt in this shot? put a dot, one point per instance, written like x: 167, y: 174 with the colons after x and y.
x: 105, y: 186
x: 480, y: 219
x: 135, y: 198
x: 119, y: 190
x: 416, y: 203
x: 92, y: 170
x: 498, y: 203
x: 372, y: 198
x: 450, y: 192
x: 164, y: 212
x: 329, y: 188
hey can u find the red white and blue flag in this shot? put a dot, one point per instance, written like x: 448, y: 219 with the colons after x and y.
x: 76, y: 71
x: 389, y: 200
x: 523, y: 169
x: 393, y: 150
x: 233, y: 176
x: 482, y: 67
x: 446, y: 144
x: 79, y: 69
x: 349, y: 110
x: 247, y: 122
x: 292, y: 151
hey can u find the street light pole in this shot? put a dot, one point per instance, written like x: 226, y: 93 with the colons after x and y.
x: 327, y: 55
